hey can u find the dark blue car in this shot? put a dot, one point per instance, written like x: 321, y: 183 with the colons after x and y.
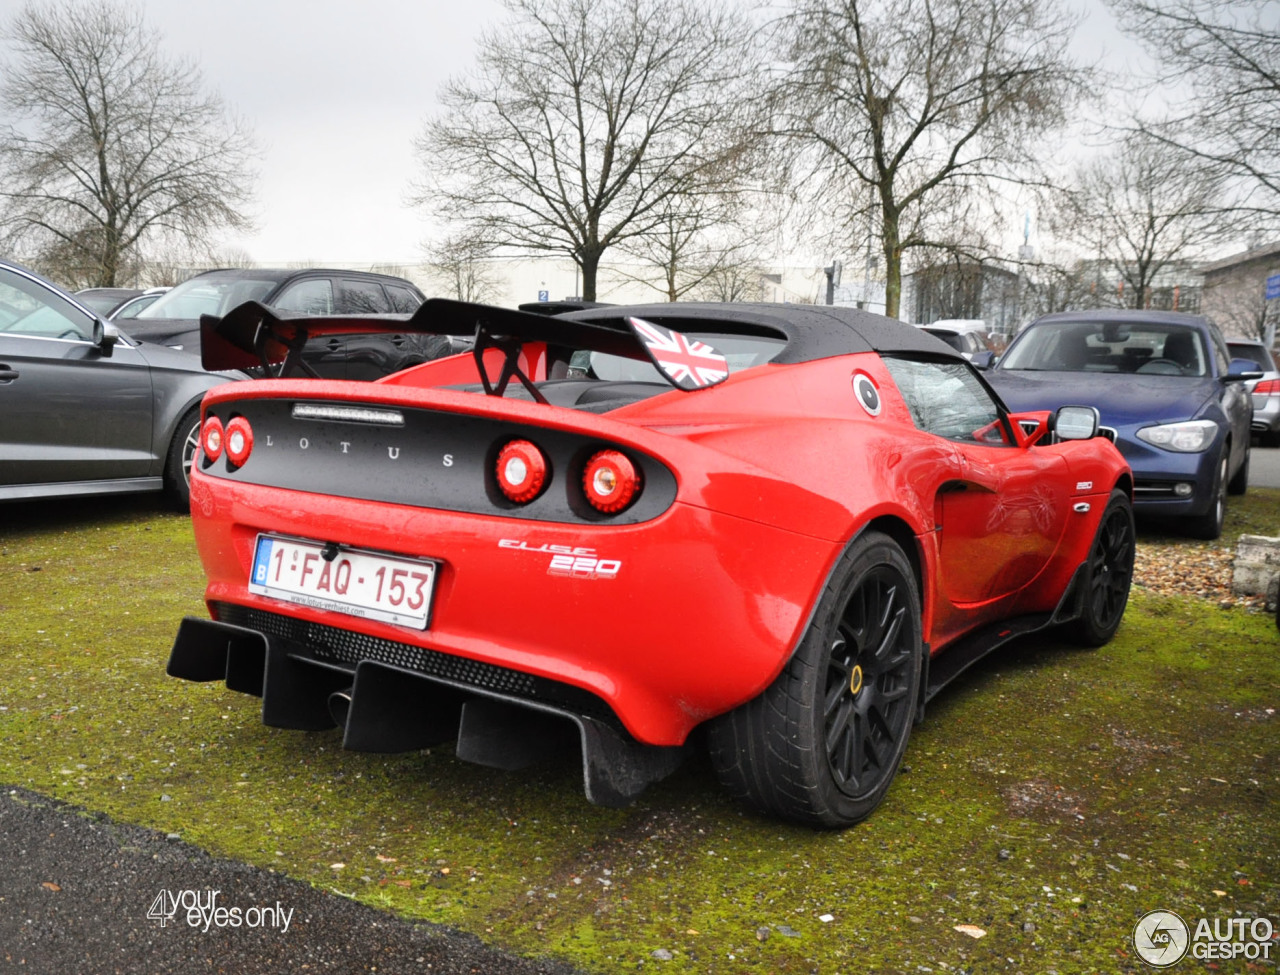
x: 1165, y: 382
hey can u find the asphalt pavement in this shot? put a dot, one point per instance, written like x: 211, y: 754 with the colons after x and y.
x: 1264, y: 467
x: 82, y: 894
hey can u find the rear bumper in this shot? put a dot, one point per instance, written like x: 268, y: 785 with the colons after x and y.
x: 1266, y: 413
x: 702, y: 615
x: 381, y: 707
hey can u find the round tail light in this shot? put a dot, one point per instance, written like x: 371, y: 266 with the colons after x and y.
x: 610, y: 481
x: 521, y: 471
x: 239, y: 441
x: 211, y: 438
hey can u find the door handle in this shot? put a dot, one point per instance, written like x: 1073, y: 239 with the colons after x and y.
x: 7, y: 375
x: 334, y: 345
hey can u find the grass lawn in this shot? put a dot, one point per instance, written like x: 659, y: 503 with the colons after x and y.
x: 1051, y: 797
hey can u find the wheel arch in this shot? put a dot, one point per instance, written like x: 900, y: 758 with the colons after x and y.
x: 899, y: 530
x: 1125, y: 483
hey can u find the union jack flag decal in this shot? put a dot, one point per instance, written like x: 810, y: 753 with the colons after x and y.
x: 687, y: 363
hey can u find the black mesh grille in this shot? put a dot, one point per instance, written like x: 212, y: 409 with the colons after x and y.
x: 331, y: 643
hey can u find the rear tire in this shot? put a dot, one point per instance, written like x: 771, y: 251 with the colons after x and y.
x: 822, y: 743
x: 1108, y: 576
x: 182, y: 452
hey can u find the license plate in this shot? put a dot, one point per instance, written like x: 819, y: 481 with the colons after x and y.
x: 353, y: 581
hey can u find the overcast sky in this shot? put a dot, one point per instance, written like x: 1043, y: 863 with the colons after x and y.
x: 336, y: 92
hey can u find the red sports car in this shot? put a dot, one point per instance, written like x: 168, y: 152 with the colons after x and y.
x: 790, y: 524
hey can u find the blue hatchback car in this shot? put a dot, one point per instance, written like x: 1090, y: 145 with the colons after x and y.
x: 1165, y: 382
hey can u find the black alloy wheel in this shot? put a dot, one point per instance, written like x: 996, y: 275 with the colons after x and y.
x: 867, y: 706
x: 823, y: 742
x: 1108, y: 574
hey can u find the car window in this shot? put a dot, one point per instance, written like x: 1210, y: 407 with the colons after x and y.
x: 28, y: 308
x: 134, y: 306
x: 1220, y: 353
x: 947, y: 399
x: 1122, y: 347
x: 1254, y: 352
x: 740, y: 351
x: 209, y: 294
x: 98, y: 302
x: 362, y: 298
x: 313, y: 296
x: 953, y: 339
x: 403, y: 299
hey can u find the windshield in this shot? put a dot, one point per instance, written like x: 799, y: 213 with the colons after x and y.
x: 208, y: 294
x: 1141, y: 348
x: 741, y: 351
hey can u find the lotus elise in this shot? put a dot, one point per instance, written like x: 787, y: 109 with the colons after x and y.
x: 790, y: 526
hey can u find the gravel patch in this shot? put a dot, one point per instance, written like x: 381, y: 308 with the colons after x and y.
x: 1189, y: 569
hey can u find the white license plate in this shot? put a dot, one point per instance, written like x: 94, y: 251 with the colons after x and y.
x: 354, y: 581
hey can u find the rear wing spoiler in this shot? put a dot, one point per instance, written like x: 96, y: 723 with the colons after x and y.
x: 254, y: 336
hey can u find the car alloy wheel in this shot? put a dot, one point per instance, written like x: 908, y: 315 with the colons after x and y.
x: 866, y: 707
x: 1108, y: 573
x: 822, y: 743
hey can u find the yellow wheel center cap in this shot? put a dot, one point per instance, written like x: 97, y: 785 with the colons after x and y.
x: 855, y: 680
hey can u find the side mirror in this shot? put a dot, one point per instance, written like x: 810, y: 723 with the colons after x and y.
x: 105, y: 337
x: 1076, y: 423
x: 983, y: 360
x: 1242, y: 370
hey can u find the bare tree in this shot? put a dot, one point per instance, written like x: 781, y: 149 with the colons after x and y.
x: 1229, y: 114
x: 1142, y: 209
x: 461, y: 266
x: 917, y: 99
x: 702, y: 240
x: 114, y: 145
x: 740, y: 282
x: 1059, y: 282
x: 585, y: 121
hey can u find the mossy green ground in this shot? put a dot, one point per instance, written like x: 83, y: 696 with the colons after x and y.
x: 1050, y: 798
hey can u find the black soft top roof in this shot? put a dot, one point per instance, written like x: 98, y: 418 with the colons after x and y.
x: 810, y: 331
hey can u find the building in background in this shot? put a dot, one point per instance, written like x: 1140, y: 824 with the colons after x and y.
x: 1235, y: 292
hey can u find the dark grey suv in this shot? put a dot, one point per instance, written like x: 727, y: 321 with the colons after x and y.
x: 174, y: 319
x: 85, y: 408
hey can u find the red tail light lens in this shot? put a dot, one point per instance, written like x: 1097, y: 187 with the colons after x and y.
x: 239, y: 441
x: 211, y: 438
x: 521, y: 471
x: 611, y: 481
x: 1267, y: 386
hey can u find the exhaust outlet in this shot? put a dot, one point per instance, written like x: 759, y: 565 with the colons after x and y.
x: 340, y: 706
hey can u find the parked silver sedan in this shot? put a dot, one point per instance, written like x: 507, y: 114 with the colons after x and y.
x: 85, y: 409
x: 1265, y: 391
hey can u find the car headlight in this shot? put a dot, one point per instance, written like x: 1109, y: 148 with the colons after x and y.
x: 1188, y: 437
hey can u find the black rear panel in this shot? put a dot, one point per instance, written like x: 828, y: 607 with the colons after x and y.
x: 430, y: 459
